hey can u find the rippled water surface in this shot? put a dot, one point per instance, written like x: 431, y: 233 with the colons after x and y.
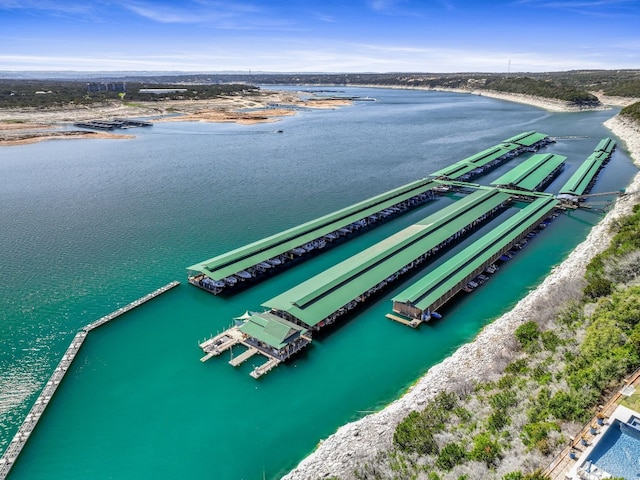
x: 90, y: 225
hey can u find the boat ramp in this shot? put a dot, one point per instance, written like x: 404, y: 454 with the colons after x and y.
x: 289, y: 319
x: 30, y: 422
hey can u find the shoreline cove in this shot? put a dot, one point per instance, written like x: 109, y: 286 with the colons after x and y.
x: 29, y: 125
x: 363, y: 439
x: 359, y: 442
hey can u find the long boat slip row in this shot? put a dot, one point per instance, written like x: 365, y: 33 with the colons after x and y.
x: 10, y: 455
x: 482, y: 162
x: 259, y: 259
x: 321, y: 300
x: 584, y: 178
x: 423, y: 298
x: 246, y: 265
x: 286, y: 324
x: 533, y: 174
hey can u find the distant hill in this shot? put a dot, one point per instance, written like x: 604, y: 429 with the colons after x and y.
x: 571, y: 86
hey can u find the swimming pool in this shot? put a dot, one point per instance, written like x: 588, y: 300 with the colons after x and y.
x: 618, y: 451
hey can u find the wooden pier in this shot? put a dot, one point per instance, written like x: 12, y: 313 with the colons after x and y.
x: 265, y: 367
x: 221, y: 343
x: 413, y: 322
x: 31, y: 420
x: 226, y: 340
x: 243, y: 357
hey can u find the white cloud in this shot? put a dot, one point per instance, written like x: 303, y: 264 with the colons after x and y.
x: 307, y: 57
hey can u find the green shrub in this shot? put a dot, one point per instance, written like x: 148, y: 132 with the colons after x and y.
x: 513, y: 476
x: 535, y: 433
x: 452, y: 454
x: 414, y: 435
x: 527, y: 335
x: 517, y: 366
x: 485, y: 449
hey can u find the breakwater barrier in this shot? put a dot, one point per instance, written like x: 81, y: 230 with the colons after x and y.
x: 131, y: 306
x: 31, y: 420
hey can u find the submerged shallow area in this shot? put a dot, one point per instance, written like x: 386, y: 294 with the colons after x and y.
x: 94, y: 225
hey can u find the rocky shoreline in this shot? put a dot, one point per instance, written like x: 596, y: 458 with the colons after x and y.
x: 20, y: 126
x: 358, y: 443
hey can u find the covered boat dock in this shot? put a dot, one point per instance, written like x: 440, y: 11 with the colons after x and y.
x: 533, y: 174
x: 423, y: 298
x: 320, y: 300
x: 256, y: 260
x: 261, y: 333
x: 585, y: 176
x: 606, y: 145
x: 485, y: 160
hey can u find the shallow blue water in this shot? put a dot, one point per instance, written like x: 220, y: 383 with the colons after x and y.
x: 89, y: 226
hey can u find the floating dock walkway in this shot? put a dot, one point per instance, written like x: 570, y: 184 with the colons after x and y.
x: 423, y: 298
x: 30, y: 422
x: 130, y: 306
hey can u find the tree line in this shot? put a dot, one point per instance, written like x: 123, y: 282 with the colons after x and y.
x: 57, y: 93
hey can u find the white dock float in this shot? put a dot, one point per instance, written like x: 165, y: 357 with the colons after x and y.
x: 221, y: 343
x: 265, y: 368
x: 244, y: 356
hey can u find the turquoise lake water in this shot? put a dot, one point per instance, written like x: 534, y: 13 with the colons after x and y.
x: 90, y: 225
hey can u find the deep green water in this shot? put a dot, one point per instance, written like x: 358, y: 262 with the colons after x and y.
x: 88, y: 226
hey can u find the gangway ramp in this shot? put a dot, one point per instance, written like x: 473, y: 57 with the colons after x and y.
x: 321, y: 299
x: 445, y: 281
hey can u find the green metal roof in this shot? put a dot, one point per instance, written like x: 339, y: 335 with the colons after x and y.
x: 518, y: 137
x: 484, y: 157
x: 455, y: 170
x: 530, y: 173
x: 606, y: 145
x: 271, y: 329
x: 249, y: 255
x: 490, y: 154
x: 527, y: 138
x: 582, y: 177
x: 319, y: 297
x: 479, y: 159
x: 428, y: 291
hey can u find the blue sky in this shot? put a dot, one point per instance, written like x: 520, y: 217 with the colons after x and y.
x: 319, y: 36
